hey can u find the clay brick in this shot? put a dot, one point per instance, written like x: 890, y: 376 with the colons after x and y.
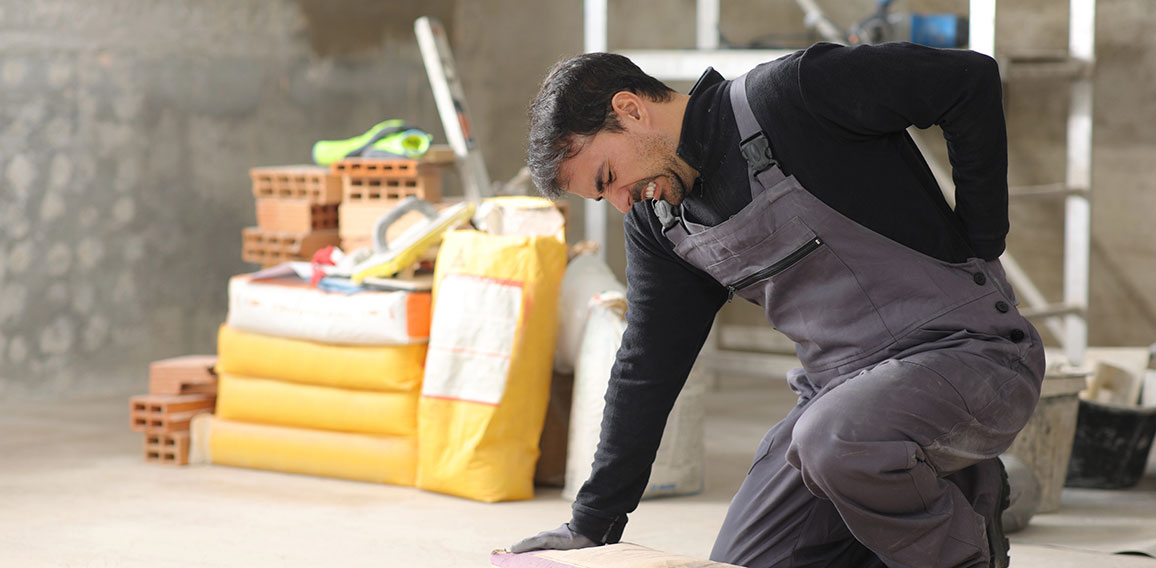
x: 170, y: 448
x: 359, y: 219
x: 438, y: 157
x: 374, y: 179
x: 316, y: 184
x: 268, y: 248
x: 190, y: 374
x: 156, y: 414
x: 295, y: 215
x: 396, y: 168
x: 360, y: 189
x: 440, y: 154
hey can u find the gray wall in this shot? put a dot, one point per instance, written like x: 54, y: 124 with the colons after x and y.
x: 127, y: 128
x: 1123, y: 282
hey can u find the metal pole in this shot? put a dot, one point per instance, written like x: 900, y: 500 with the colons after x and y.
x: 706, y: 24
x: 981, y: 26
x: 594, y: 34
x: 1077, y: 226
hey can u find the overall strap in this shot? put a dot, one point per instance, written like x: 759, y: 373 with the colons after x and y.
x: 671, y: 218
x: 756, y: 148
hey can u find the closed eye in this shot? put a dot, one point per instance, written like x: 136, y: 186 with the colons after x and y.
x: 602, y: 187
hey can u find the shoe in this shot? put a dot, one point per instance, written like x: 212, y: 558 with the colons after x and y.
x: 997, y: 541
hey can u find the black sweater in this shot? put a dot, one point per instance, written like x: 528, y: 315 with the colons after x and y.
x: 836, y: 119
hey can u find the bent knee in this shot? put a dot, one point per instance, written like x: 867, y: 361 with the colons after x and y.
x: 838, y: 451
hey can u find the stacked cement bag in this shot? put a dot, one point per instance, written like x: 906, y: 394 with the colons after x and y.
x: 317, y: 382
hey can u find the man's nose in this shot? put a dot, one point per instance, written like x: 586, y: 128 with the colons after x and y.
x: 620, y: 199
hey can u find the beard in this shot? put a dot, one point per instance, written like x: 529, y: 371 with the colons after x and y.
x: 660, y: 151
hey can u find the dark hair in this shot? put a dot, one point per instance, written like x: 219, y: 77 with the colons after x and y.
x: 575, y: 101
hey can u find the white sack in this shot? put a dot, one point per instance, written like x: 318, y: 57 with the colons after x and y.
x: 679, y: 466
x: 586, y: 276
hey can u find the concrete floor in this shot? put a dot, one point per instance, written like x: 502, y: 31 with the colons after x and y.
x: 75, y: 492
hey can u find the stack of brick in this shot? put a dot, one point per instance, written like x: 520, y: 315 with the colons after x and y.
x: 179, y: 389
x: 297, y: 209
x: 302, y: 209
x: 371, y: 188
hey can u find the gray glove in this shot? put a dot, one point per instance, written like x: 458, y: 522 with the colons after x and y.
x: 561, y: 538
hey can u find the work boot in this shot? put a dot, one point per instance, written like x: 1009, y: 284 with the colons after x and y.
x: 996, y: 539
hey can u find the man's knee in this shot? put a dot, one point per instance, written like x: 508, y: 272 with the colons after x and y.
x: 823, y: 451
x: 837, y: 451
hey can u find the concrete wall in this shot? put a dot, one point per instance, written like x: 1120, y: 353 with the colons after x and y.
x: 127, y: 128
x: 1123, y: 284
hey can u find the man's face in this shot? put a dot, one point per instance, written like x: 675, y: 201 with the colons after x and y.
x: 626, y: 167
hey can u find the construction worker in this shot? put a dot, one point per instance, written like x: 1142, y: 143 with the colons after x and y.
x: 796, y: 187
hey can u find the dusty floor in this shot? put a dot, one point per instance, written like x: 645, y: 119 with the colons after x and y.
x: 75, y: 492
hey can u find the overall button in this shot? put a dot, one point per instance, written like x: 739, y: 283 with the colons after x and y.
x: 1017, y: 335
x: 1002, y: 307
x: 979, y: 278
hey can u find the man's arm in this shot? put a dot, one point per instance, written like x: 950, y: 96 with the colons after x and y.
x: 869, y: 91
x: 671, y: 307
x: 670, y: 310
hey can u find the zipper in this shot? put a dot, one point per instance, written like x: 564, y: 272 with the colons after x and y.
x: 787, y: 262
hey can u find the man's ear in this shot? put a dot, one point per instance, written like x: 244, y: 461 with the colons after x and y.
x: 629, y: 107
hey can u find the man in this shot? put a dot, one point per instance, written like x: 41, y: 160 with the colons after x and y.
x: 796, y: 187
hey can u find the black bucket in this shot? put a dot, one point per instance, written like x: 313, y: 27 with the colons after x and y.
x: 1110, y: 450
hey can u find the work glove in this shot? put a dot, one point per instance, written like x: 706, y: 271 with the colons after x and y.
x: 561, y: 538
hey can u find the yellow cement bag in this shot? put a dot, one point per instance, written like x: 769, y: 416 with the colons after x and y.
x: 266, y: 401
x: 361, y: 457
x: 361, y: 367
x: 488, y: 370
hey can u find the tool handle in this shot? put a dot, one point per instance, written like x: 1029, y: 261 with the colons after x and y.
x: 383, y: 224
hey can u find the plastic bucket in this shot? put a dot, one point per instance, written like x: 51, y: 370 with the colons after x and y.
x: 1110, y: 450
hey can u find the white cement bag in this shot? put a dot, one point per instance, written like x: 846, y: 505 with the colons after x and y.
x: 289, y: 308
x: 585, y: 276
x: 679, y: 466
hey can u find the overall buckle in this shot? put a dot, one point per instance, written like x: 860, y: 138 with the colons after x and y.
x: 667, y: 214
x: 757, y: 152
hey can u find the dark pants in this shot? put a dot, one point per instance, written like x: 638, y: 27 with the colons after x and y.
x: 893, y: 466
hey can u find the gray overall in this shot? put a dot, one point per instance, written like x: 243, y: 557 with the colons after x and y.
x: 917, y: 374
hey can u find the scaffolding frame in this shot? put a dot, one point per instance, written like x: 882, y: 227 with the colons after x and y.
x: 1067, y: 319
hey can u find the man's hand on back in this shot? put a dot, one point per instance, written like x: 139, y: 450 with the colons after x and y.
x: 561, y: 538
